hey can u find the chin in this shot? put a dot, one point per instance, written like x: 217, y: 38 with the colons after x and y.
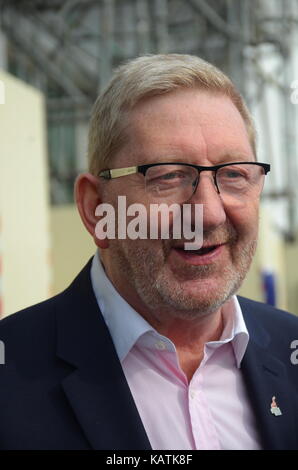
x: 193, y: 307
x: 194, y: 297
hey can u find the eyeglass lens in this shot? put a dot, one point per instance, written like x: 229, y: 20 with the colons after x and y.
x: 177, y: 183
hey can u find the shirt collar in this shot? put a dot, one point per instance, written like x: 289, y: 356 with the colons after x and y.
x: 126, y: 326
x: 235, y: 330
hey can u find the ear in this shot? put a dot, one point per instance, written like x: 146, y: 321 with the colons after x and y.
x: 87, y: 194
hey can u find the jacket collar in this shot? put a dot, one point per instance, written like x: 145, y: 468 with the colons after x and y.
x: 100, y: 397
x: 266, y: 377
x: 97, y: 389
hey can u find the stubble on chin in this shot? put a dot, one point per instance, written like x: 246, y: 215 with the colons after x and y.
x: 148, y: 274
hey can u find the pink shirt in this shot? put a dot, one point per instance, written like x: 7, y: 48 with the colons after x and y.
x: 212, y: 411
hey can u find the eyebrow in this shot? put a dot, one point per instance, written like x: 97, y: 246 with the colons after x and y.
x: 236, y: 157
x: 172, y: 158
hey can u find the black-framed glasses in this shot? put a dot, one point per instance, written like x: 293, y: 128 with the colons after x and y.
x: 177, y: 182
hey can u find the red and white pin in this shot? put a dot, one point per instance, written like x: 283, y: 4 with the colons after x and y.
x: 275, y: 410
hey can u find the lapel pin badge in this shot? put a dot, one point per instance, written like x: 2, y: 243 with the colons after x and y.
x: 275, y: 410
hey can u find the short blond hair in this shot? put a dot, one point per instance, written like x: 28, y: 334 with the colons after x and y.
x: 147, y: 76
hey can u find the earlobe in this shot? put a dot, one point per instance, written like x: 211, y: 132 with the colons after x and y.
x: 87, y: 197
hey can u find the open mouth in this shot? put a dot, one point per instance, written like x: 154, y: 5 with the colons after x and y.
x: 202, y: 251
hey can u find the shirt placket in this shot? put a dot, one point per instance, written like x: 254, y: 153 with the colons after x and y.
x: 203, y: 429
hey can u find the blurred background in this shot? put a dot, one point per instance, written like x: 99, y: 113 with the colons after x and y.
x: 56, y: 56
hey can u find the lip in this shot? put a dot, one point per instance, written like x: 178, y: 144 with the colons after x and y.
x: 197, y: 260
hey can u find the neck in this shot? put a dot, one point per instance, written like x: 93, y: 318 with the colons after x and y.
x: 188, y: 334
x: 189, y: 337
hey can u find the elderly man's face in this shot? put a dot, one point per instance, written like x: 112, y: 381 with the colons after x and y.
x: 194, y: 127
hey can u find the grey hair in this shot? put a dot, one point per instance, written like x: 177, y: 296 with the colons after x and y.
x: 147, y: 76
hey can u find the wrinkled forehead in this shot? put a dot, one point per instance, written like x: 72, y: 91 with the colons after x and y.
x: 187, y: 123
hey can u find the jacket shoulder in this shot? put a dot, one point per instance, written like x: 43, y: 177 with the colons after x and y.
x: 33, y: 330
x: 34, y: 314
x: 266, y: 322
x: 267, y: 313
x: 29, y: 334
x: 39, y: 314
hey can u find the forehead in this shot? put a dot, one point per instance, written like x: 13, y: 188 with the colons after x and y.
x: 188, y: 124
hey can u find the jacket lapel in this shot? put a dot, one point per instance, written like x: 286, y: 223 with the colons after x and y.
x: 97, y: 389
x: 101, y: 399
x: 265, y: 378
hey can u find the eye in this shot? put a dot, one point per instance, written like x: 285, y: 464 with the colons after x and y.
x: 233, y: 174
x: 167, y: 174
x: 173, y: 175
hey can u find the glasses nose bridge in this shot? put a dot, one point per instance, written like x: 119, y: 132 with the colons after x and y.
x: 197, y: 181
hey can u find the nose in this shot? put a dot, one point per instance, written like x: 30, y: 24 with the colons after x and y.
x: 206, y: 193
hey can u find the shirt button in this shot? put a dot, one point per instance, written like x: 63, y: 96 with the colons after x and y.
x: 160, y: 345
x: 192, y: 394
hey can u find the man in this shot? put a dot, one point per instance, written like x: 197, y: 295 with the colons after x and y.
x: 149, y: 347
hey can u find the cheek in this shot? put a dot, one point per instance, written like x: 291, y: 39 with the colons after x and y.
x: 245, y: 220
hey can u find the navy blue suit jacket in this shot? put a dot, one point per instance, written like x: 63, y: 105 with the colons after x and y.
x: 62, y: 385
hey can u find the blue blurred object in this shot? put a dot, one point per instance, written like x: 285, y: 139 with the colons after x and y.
x: 269, y: 287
